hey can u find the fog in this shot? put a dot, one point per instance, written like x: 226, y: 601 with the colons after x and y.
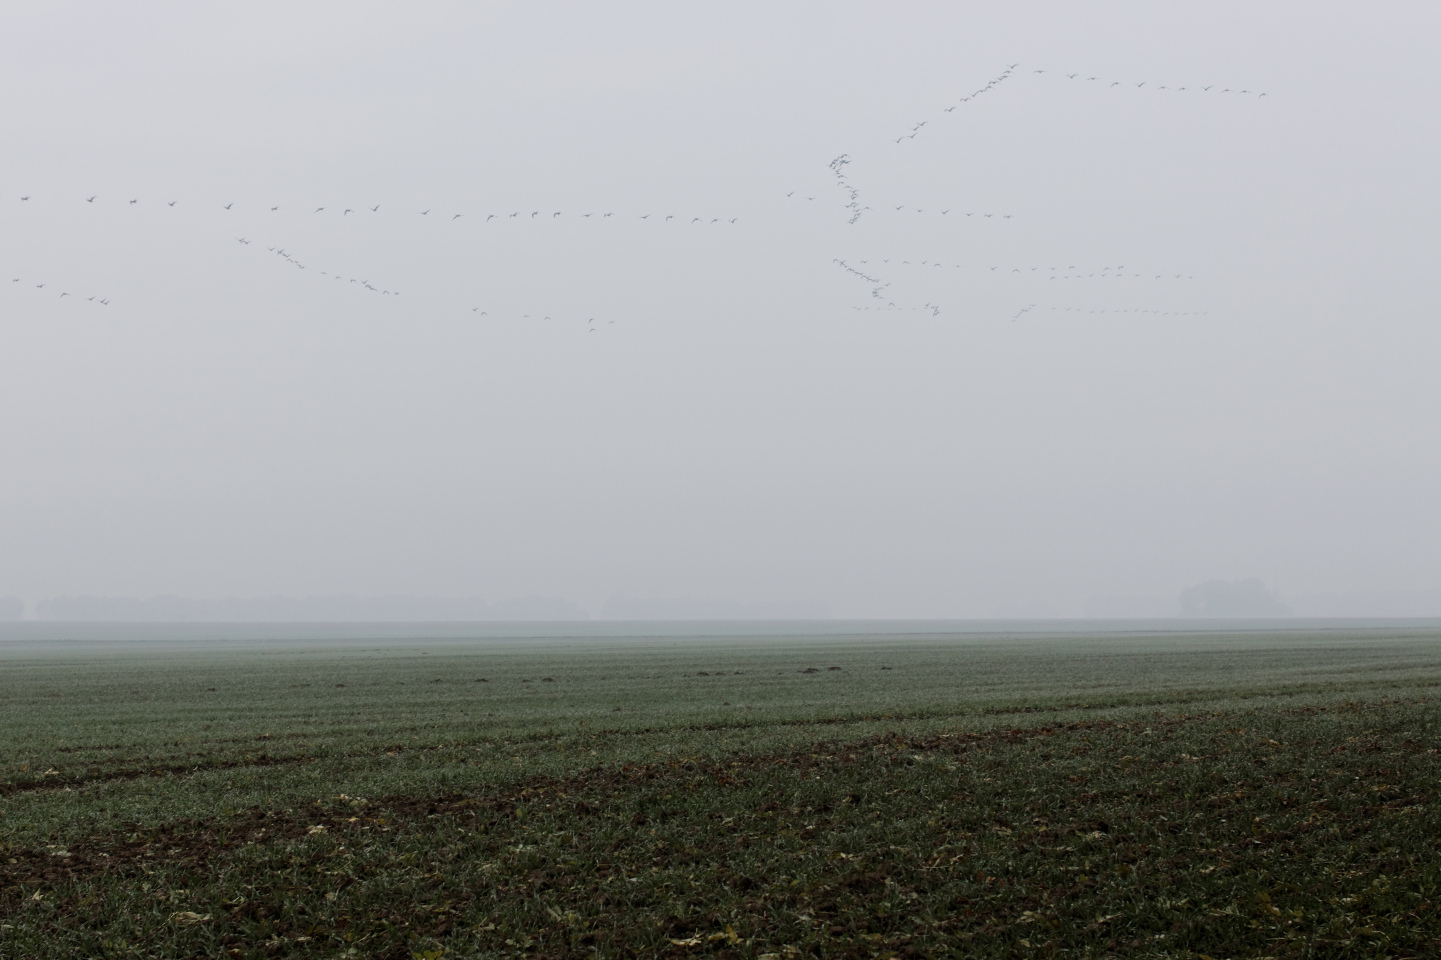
x: 1231, y: 379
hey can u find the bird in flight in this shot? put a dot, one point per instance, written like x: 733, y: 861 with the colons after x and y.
x: 24, y: 198
x: 533, y: 214
x: 273, y: 209
x: 229, y: 205
x: 490, y: 218
x: 375, y: 208
x: 424, y: 212
x: 133, y: 202
x: 171, y: 203
x: 89, y: 199
x: 457, y: 216
x: 347, y: 210
x: 318, y: 209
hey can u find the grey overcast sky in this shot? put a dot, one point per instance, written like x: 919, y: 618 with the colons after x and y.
x: 232, y: 424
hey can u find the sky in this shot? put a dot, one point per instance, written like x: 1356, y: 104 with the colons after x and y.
x: 765, y: 399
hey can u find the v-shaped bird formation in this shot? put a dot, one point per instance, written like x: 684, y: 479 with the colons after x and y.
x: 880, y: 274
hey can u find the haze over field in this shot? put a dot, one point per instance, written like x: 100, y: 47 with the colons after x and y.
x: 873, y: 403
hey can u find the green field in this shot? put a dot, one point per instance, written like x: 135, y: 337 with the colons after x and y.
x: 1242, y: 794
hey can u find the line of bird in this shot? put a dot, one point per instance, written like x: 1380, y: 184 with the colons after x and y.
x: 518, y: 215
x: 1053, y: 273
x: 1146, y: 85
x: 366, y: 285
x: 898, y: 208
x: 295, y: 262
x: 592, y: 324
x: 1109, y: 83
x: 935, y: 310
x: 98, y: 300
x: 853, y: 196
x: 931, y: 308
x: 880, y: 288
x: 1137, y: 310
x: 991, y: 84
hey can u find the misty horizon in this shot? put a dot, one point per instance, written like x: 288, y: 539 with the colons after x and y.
x: 1228, y: 599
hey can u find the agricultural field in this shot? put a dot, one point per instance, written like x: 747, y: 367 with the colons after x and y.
x: 861, y: 794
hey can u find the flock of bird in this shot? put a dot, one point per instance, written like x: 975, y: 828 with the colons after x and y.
x: 1052, y: 273
x: 852, y: 204
x: 52, y: 289
x: 935, y: 310
x: 1108, y: 83
x: 542, y: 215
x: 882, y: 289
x: 856, y: 210
x: 295, y: 262
x: 853, y: 196
x: 592, y: 324
x: 991, y: 84
x: 362, y: 284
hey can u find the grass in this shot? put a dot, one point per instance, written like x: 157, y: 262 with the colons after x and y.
x: 1223, y: 796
